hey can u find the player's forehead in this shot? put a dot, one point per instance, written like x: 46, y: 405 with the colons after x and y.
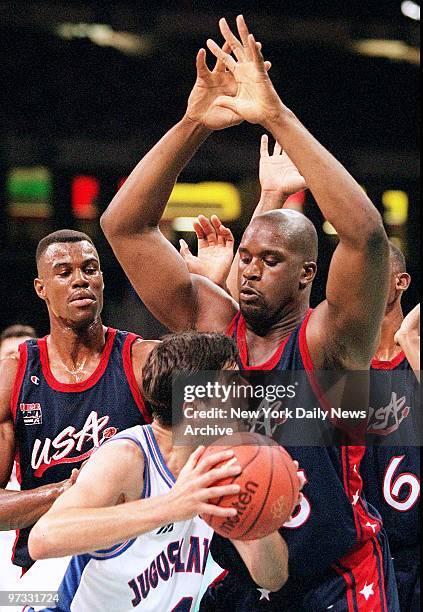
x: 69, y: 252
x: 263, y: 237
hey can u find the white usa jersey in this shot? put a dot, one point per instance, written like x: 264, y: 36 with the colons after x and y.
x: 159, y: 571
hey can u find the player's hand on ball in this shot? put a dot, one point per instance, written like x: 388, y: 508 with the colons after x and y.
x: 195, y: 485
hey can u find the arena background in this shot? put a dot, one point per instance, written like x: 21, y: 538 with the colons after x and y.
x: 88, y: 87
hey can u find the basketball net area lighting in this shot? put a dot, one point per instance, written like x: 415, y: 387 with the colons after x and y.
x: 104, y: 35
x: 209, y: 198
x: 395, y: 50
x: 410, y: 9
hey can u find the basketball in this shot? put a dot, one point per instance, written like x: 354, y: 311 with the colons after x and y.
x: 269, y: 488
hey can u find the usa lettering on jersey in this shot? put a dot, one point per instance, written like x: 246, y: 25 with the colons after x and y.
x: 68, y: 440
x: 387, y: 419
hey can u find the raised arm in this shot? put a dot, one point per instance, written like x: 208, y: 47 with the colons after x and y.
x: 278, y: 176
x: 343, y: 329
x: 130, y: 223
x: 100, y: 511
x: 18, y: 509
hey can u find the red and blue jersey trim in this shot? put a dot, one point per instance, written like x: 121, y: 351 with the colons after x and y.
x: 239, y: 326
x: 364, y: 576
x: 84, y: 385
x: 130, y: 375
x: 391, y: 364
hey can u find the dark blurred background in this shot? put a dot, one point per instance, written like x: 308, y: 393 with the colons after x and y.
x: 88, y: 87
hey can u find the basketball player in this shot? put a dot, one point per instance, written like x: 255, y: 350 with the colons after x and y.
x: 11, y: 337
x: 382, y: 466
x: 68, y: 391
x: 150, y: 552
x: 338, y: 558
x: 391, y: 473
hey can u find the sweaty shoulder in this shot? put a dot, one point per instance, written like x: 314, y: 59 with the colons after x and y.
x: 123, y: 461
x: 140, y: 351
x: 125, y: 447
x: 8, y: 370
x: 216, y: 308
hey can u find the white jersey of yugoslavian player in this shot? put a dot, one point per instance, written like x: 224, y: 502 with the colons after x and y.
x: 161, y: 570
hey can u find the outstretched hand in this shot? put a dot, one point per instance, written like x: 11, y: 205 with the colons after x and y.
x: 255, y: 99
x: 211, y: 84
x: 277, y: 172
x: 215, y: 250
x: 208, y: 87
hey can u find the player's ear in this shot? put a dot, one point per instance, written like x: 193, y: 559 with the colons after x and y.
x: 402, y: 281
x: 189, y: 409
x: 308, y: 273
x: 39, y: 287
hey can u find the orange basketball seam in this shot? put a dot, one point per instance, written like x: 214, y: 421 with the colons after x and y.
x: 258, y: 514
x: 243, y: 467
x: 213, y: 518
